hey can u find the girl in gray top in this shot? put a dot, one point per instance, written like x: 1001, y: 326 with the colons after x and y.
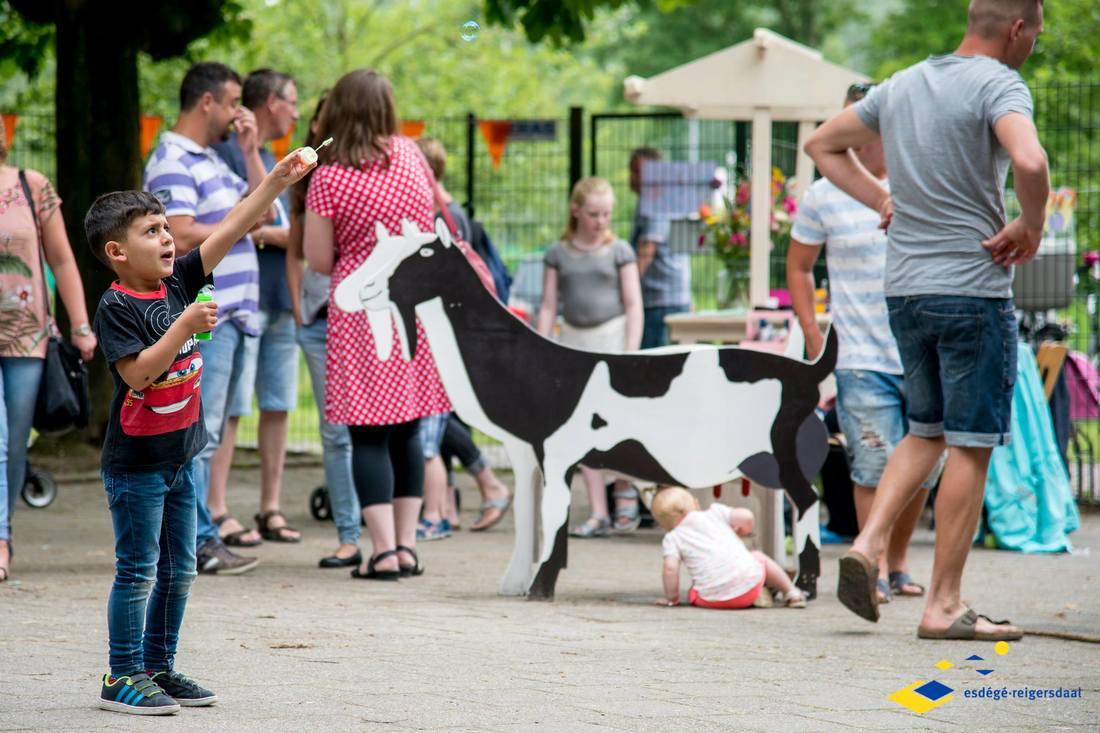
x: 594, y: 275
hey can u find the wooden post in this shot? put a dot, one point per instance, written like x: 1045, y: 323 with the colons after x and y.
x: 804, y: 166
x: 760, y: 240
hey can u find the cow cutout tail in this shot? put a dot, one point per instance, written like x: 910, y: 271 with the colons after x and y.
x: 825, y: 363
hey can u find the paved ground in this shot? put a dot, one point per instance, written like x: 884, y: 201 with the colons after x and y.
x: 292, y: 647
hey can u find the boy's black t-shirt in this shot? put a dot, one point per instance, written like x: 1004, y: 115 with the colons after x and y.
x: 160, y: 427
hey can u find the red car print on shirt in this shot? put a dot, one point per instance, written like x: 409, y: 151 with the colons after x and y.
x: 168, y: 405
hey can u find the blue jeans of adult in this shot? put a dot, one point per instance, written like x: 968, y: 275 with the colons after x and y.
x: 153, y: 514
x: 223, y: 364
x: 19, y: 379
x: 654, y: 330
x: 335, y: 439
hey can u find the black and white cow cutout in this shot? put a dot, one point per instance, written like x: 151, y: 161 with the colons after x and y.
x: 695, y: 417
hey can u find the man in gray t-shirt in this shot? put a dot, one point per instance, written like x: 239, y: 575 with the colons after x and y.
x: 950, y: 127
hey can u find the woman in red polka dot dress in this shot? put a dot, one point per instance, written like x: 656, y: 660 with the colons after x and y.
x: 371, y: 175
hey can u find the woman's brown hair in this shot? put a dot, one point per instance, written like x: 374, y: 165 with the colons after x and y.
x: 313, y: 139
x: 360, y: 116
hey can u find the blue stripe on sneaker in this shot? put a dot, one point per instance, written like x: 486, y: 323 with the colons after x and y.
x: 133, y: 698
x: 122, y: 690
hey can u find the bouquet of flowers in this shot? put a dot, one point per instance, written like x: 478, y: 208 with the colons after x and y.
x: 727, y: 229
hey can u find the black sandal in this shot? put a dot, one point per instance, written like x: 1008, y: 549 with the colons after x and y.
x: 373, y: 574
x: 275, y: 534
x: 416, y: 568
x: 233, y: 539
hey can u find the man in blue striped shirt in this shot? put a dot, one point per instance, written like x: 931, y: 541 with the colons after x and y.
x: 870, y: 401
x: 198, y: 190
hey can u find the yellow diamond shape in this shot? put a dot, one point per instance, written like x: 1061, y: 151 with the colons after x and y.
x: 944, y: 664
x: 919, y: 704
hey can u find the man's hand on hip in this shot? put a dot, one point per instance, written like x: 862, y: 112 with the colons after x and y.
x: 1015, y: 244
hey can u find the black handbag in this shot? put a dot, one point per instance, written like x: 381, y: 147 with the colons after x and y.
x: 62, y: 402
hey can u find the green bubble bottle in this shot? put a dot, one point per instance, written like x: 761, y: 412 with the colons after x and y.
x: 205, y: 296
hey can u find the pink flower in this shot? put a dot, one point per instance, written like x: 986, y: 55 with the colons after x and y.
x: 24, y: 295
x: 738, y: 239
x: 790, y: 205
x: 742, y: 196
x: 702, y: 240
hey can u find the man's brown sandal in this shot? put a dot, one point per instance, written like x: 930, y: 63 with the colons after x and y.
x: 965, y: 628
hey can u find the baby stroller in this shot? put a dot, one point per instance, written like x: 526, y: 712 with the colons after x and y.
x: 39, y: 488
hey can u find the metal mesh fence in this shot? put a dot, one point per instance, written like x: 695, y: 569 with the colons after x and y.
x: 522, y: 202
x: 727, y: 144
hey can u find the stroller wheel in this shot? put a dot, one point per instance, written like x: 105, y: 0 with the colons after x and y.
x: 39, y: 489
x: 319, y: 505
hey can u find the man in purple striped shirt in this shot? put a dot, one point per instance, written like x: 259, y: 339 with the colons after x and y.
x: 198, y: 190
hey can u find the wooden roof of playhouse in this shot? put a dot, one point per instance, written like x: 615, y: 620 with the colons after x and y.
x: 792, y: 81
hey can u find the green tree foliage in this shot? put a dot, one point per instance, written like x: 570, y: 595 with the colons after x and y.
x: 559, y: 21
x: 419, y: 46
x: 1068, y: 47
x: 653, y: 39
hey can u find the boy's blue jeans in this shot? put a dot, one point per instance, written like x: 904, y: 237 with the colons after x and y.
x: 154, y: 521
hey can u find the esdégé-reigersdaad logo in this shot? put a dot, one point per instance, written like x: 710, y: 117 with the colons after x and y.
x: 924, y: 695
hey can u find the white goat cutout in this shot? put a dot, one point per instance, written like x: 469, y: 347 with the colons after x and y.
x: 699, y: 428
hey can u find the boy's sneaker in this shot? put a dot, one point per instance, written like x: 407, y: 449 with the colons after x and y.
x: 214, y: 558
x: 136, y: 695
x: 184, y: 690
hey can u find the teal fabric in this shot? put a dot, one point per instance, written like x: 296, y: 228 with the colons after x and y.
x: 1028, y: 496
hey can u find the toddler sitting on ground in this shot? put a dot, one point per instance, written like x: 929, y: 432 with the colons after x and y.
x: 724, y: 573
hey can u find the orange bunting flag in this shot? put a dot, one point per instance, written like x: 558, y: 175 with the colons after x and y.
x: 10, y: 118
x: 496, y: 134
x: 280, y: 146
x: 411, y: 128
x: 150, y: 126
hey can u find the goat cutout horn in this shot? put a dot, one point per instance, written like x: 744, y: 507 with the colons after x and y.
x: 409, y: 230
x: 380, y: 232
x: 443, y: 232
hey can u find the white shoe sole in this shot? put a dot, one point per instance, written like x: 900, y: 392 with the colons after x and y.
x: 238, y: 570
x: 198, y: 702
x: 118, y: 707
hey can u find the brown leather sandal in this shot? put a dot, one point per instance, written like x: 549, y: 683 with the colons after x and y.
x: 233, y: 539
x: 276, y: 534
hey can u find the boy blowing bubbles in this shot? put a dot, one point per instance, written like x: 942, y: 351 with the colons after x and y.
x: 146, y: 323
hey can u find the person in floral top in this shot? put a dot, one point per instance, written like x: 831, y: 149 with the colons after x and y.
x: 24, y: 319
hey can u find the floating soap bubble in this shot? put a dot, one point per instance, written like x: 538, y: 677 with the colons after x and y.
x: 470, y: 29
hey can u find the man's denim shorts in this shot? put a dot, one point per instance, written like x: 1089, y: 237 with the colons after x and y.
x: 431, y: 431
x: 271, y: 367
x: 870, y: 407
x: 959, y: 356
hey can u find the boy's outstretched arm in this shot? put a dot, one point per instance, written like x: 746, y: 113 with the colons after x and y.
x: 670, y: 577
x: 241, y: 218
x: 142, y: 369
